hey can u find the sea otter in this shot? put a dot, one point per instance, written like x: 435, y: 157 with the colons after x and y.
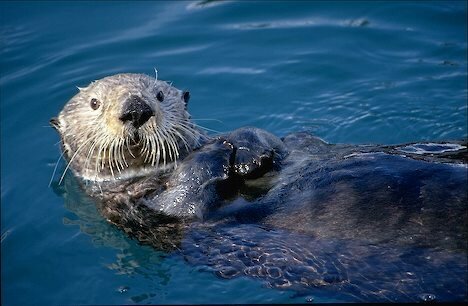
x: 297, y: 212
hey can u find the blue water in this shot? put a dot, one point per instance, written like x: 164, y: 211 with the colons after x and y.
x: 349, y: 72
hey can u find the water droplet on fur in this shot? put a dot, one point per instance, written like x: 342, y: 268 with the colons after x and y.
x: 427, y: 297
x: 123, y: 289
x: 309, y: 299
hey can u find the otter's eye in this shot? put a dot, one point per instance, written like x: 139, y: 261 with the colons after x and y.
x: 160, y: 96
x: 95, y: 103
x: 186, y: 97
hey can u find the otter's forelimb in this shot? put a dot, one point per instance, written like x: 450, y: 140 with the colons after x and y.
x: 217, y: 171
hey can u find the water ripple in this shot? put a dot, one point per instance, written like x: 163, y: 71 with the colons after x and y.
x: 299, y: 23
x: 231, y: 70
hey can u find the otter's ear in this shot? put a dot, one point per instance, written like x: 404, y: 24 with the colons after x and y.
x: 54, y: 122
x: 186, y: 97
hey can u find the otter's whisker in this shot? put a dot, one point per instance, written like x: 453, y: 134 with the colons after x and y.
x: 173, y: 131
x: 122, y: 147
x: 117, y: 159
x: 112, y: 161
x: 122, y: 153
x: 128, y: 148
x: 207, y: 129
x: 155, y: 76
x: 96, y: 164
x: 153, y: 148
x: 157, y: 147
x: 119, y: 154
x: 104, y: 154
x: 207, y: 119
x: 91, y: 148
x: 111, y: 158
x: 174, y: 145
x: 88, y: 157
x: 188, y: 128
x: 201, y: 127
x: 55, y: 168
x: 176, y: 151
x: 168, y: 144
x: 72, y: 158
x: 161, y: 147
x: 146, y: 147
x: 182, y: 138
x: 107, y: 154
x: 171, y: 146
x: 193, y: 134
x: 101, y: 151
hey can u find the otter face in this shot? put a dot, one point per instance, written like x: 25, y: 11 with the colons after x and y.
x: 125, y: 125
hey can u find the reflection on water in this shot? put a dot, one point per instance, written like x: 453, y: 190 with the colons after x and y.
x: 131, y: 259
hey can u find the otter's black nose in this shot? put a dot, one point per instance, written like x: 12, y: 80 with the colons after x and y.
x: 136, y: 111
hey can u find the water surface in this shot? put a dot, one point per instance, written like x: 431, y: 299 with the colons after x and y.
x: 349, y: 72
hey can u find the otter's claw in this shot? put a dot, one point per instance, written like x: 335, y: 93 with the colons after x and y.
x: 251, y: 164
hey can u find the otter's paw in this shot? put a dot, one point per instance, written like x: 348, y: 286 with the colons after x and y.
x: 256, y: 152
x: 250, y: 163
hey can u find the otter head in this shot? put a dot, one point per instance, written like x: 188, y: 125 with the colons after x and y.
x: 125, y: 125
